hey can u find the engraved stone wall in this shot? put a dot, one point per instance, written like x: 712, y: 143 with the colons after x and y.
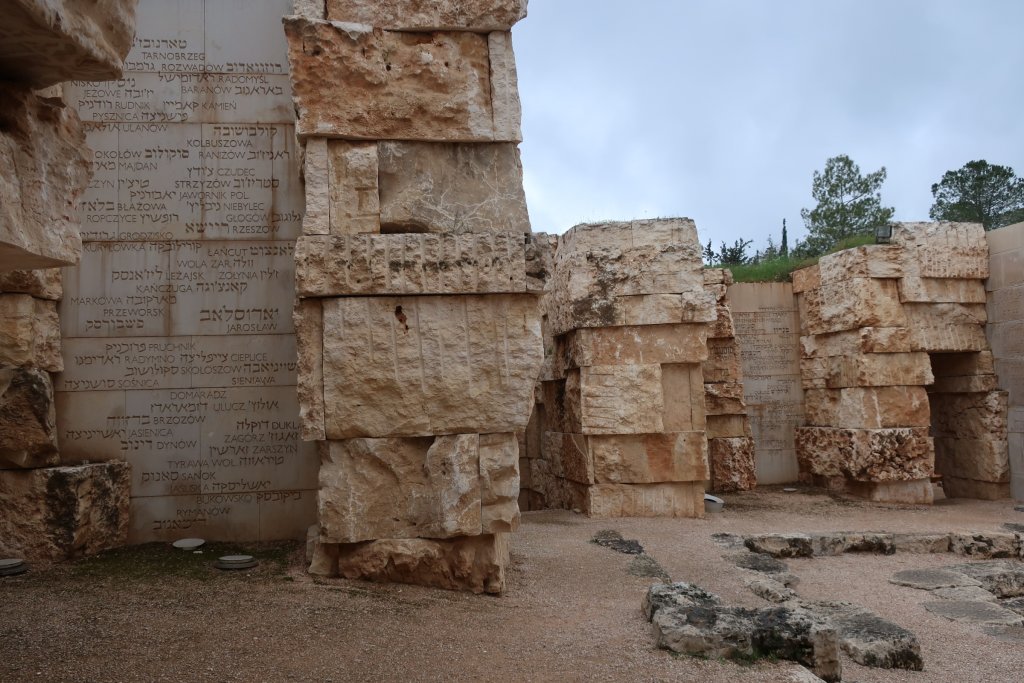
x: 179, y: 348
x: 768, y: 332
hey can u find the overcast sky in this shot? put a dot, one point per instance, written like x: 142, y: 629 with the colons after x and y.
x: 721, y: 110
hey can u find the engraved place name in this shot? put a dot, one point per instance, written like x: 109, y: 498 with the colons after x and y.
x: 765, y: 322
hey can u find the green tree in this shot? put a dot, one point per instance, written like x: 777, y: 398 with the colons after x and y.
x: 848, y: 204
x: 736, y: 255
x: 979, y: 192
x: 784, y: 249
x: 709, y: 254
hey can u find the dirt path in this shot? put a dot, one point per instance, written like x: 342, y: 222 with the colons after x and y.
x: 570, y: 612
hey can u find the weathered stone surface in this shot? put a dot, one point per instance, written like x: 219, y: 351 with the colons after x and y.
x: 352, y: 81
x: 932, y: 579
x: 980, y: 459
x: 867, y: 407
x: 863, y: 340
x: 955, y: 487
x: 452, y: 188
x: 425, y: 365
x: 936, y: 290
x: 675, y: 499
x: 473, y: 563
x: 649, y: 458
x: 417, y: 15
x: 724, y: 361
x: 848, y: 305
x: 1001, y: 578
x: 971, y: 416
x: 630, y: 345
x: 781, y: 545
x: 866, y: 370
x: 912, y: 492
x: 732, y: 464
x: 946, y: 327
x: 727, y: 426
x: 58, y: 513
x: 724, y: 398
x: 43, y: 42
x: 337, y: 265
x: 868, y: 639
x: 984, y: 544
x: 44, y: 283
x: 29, y: 333
x: 567, y: 456
x: 806, y: 279
x: 353, y: 194
x: 309, y: 340
x: 689, y: 620
x: 499, y: 483
x: 943, y: 250
x: 316, y: 219
x: 28, y: 421
x: 540, y: 260
x: 853, y: 542
x: 974, y: 612
x: 869, y: 455
x: 869, y: 261
x: 399, y: 488
x: 921, y: 543
x: 638, y: 273
x: 43, y: 171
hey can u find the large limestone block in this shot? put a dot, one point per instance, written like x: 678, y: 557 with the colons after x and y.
x: 44, y: 283
x: 806, y: 279
x: 316, y: 220
x: 44, y: 169
x: 850, y: 304
x: 943, y: 250
x: 863, y: 340
x: 873, y: 455
x: 43, y: 42
x: 726, y: 426
x: 866, y: 370
x: 399, y: 488
x: 605, y: 501
x: 567, y: 456
x: 308, y: 317
x: 937, y: 290
x: 355, y: 82
x: 724, y: 398
x: 29, y: 332
x: 952, y: 365
x: 970, y: 416
x: 867, y: 407
x: 954, y: 487
x: 423, y: 15
x: 724, y: 363
x: 870, y: 261
x: 499, y: 483
x: 425, y: 365
x: 58, y: 513
x: 732, y: 463
x: 469, y: 563
x: 980, y: 459
x: 629, y: 459
x: 947, y: 327
x: 28, y: 421
x: 452, y: 188
x: 598, y: 267
x: 363, y: 265
x: 628, y: 345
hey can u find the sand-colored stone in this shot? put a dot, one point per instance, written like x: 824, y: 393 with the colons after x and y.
x: 28, y: 421
x: 964, y: 385
x: 724, y: 361
x: 913, y: 492
x: 872, y: 455
x: 947, y: 327
x: 621, y: 399
x: 426, y: 487
x: 937, y: 290
x: 363, y: 265
x: 726, y: 426
x: 473, y: 563
x: 355, y: 82
x: 955, y: 487
x: 567, y: 456
x: 540, y: 260
x: 863, y: 340
x: 43, y: 42
x: 44, y: 283
x: 605, y: 501
x: 724, y: 398
x: 43, y: 172
x: 499, y: 483
x: 29, y: 333
x: 723, y: 326
x: 452, y: 188
x: 425, y: 365
x: 316, y: 219
x: 732, y: 464
x: 970, y: 416
x: 867, y: 407
x: 869, y: 261
x: 58, y: 513
x: 423, y: 15
x: 649, y: 458
x: 943, y: 250
x: 638, y: 344
x: 309, y: 342
x: 851, y: 304
x: 353, y: 195
x: 866, y: 370
x: 984, y: 459
x: 718, y: 276
x: 806, y: 279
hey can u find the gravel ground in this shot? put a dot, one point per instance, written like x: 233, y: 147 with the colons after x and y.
x: 571, y: 610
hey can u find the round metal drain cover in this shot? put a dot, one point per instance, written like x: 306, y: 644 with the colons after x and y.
x: 12, y: 567
x: 188, y: 543
x: 235, y: 562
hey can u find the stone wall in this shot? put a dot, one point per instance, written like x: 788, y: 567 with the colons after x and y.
x: 624, y: 394
x: 179, y: 347
x: 419, y: 338
x: 897, y: 372
x: 1005, y: 330
x: 768, y: 333
x: 50, y: 511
